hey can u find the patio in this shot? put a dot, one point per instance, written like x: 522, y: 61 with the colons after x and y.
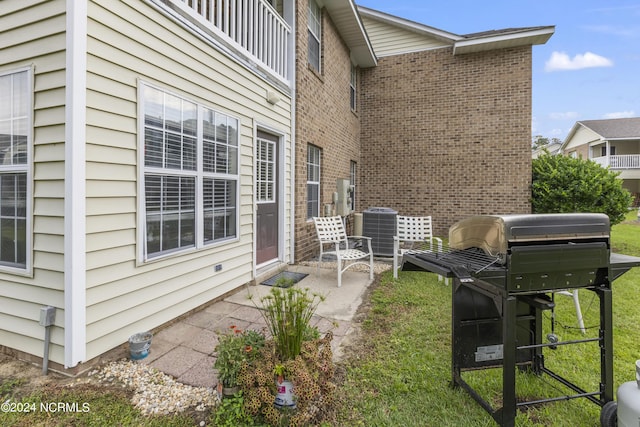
x: 186, y: 348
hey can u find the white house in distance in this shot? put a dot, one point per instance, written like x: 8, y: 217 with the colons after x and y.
x: 613, y: 143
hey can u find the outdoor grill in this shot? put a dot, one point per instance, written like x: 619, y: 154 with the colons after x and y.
x: 506, y: 270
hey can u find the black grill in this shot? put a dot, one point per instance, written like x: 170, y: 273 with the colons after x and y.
x: 506, y: 271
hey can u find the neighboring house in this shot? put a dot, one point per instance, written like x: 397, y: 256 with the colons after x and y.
x: 613, y: 143
x: 159, y: 154
x: 553, y: 149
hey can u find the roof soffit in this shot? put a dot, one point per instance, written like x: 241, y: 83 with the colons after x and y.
x: 346, y: 19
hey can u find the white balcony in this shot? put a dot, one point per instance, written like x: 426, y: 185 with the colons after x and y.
x: 627, y: 161
x: 254, y: 25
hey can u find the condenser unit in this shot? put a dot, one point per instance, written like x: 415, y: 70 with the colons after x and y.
x: 380, y: 225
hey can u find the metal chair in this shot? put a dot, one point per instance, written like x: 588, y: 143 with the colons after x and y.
x: 417, y: 232
x: 576, y: 304
x: 330, y: 231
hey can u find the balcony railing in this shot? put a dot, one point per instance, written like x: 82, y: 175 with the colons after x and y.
x: 626, y: 161
x: 253, y: 24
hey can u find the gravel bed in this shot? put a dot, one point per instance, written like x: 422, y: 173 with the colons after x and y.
x: 155, y: 393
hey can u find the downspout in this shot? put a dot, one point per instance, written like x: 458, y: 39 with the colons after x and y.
x: 75, y: 184
x: 290, y: 16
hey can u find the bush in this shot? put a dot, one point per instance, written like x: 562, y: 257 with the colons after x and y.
x: 562, y: 184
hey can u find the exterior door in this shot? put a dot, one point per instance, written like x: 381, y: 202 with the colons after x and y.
x: 267, y: 198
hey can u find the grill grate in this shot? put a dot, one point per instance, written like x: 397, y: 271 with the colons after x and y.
x: 473, y: 260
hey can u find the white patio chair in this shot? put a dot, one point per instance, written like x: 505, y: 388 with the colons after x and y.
x: 331, y: 232
x: 416, y: 232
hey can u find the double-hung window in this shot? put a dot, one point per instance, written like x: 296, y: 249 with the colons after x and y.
x: 352, y: 177
x: 353, y: 85
x: 15, y: 138
x: 190, y: 174
x: 314, y: 27
x: 313, y: 181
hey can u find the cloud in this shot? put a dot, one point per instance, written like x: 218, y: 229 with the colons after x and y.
x: 620, y: 115
x: 569, y: 115
x: 560, y: 61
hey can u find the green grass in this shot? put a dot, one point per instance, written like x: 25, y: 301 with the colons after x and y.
x: 402, y: 370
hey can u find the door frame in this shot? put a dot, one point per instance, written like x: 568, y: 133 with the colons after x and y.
x: 280, y: 164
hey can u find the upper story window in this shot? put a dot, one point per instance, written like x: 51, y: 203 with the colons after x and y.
x: 315, y: 34
x: 187, y: 203
x: 16, y: 116
x: 313, y: 181
x: 353, y: 86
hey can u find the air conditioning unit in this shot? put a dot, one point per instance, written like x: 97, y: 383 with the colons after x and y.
x: 380, y: 225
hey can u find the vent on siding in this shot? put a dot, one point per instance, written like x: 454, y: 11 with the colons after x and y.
x: 380, y: 225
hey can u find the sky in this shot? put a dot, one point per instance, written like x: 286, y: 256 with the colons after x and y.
x: 588, y: 70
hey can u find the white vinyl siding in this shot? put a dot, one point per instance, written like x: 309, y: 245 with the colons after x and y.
x: 390, y: 40
x: 33, y: 39
x: 314, y: 27
x: 124, y: 295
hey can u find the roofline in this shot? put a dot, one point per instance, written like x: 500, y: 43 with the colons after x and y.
x: 409, y: 25
x: 518, y: 37
x: 361, y: 49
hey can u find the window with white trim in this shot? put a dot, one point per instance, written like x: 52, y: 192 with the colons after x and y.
x: 187, y: 203
x: 266, y: 170
x: 15, y: 121
x: 353, y: 84
x: 314, y: 26
x: 313, y: 181
x: 352, y: 176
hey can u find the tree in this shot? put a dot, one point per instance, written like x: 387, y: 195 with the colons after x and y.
x: 540, y: 141
x: 562, y: 184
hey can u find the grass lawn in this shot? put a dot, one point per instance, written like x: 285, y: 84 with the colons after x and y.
x: 398, y: 372
x: 401, y: 371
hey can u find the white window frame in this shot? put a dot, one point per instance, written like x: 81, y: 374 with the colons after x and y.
x: 314, y: 161
x: 353, y: 168
x: 21, y: 268
x: 353, y: 88
x: 265, y: 170
x: 314, y: 27
x: 225, y: 172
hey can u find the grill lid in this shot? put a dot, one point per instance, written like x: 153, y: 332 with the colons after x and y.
x: 494, y: 234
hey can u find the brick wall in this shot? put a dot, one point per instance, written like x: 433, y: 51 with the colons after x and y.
x: 447, y: 136
x: 324, y: 119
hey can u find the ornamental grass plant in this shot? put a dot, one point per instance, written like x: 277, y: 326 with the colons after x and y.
x: 288, y: 313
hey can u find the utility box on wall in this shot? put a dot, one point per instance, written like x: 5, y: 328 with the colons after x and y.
x: 380, y: 225
x: 345, y: 193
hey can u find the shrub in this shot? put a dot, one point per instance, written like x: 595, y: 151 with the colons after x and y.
x: 311, y: 372
x: 562, y: 184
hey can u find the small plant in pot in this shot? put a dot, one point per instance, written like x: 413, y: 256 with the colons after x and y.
x: 235, y: 349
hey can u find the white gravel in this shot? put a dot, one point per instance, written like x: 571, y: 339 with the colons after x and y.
x: 154, y: 391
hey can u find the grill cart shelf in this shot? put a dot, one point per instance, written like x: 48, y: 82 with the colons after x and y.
x: 505, y: 270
